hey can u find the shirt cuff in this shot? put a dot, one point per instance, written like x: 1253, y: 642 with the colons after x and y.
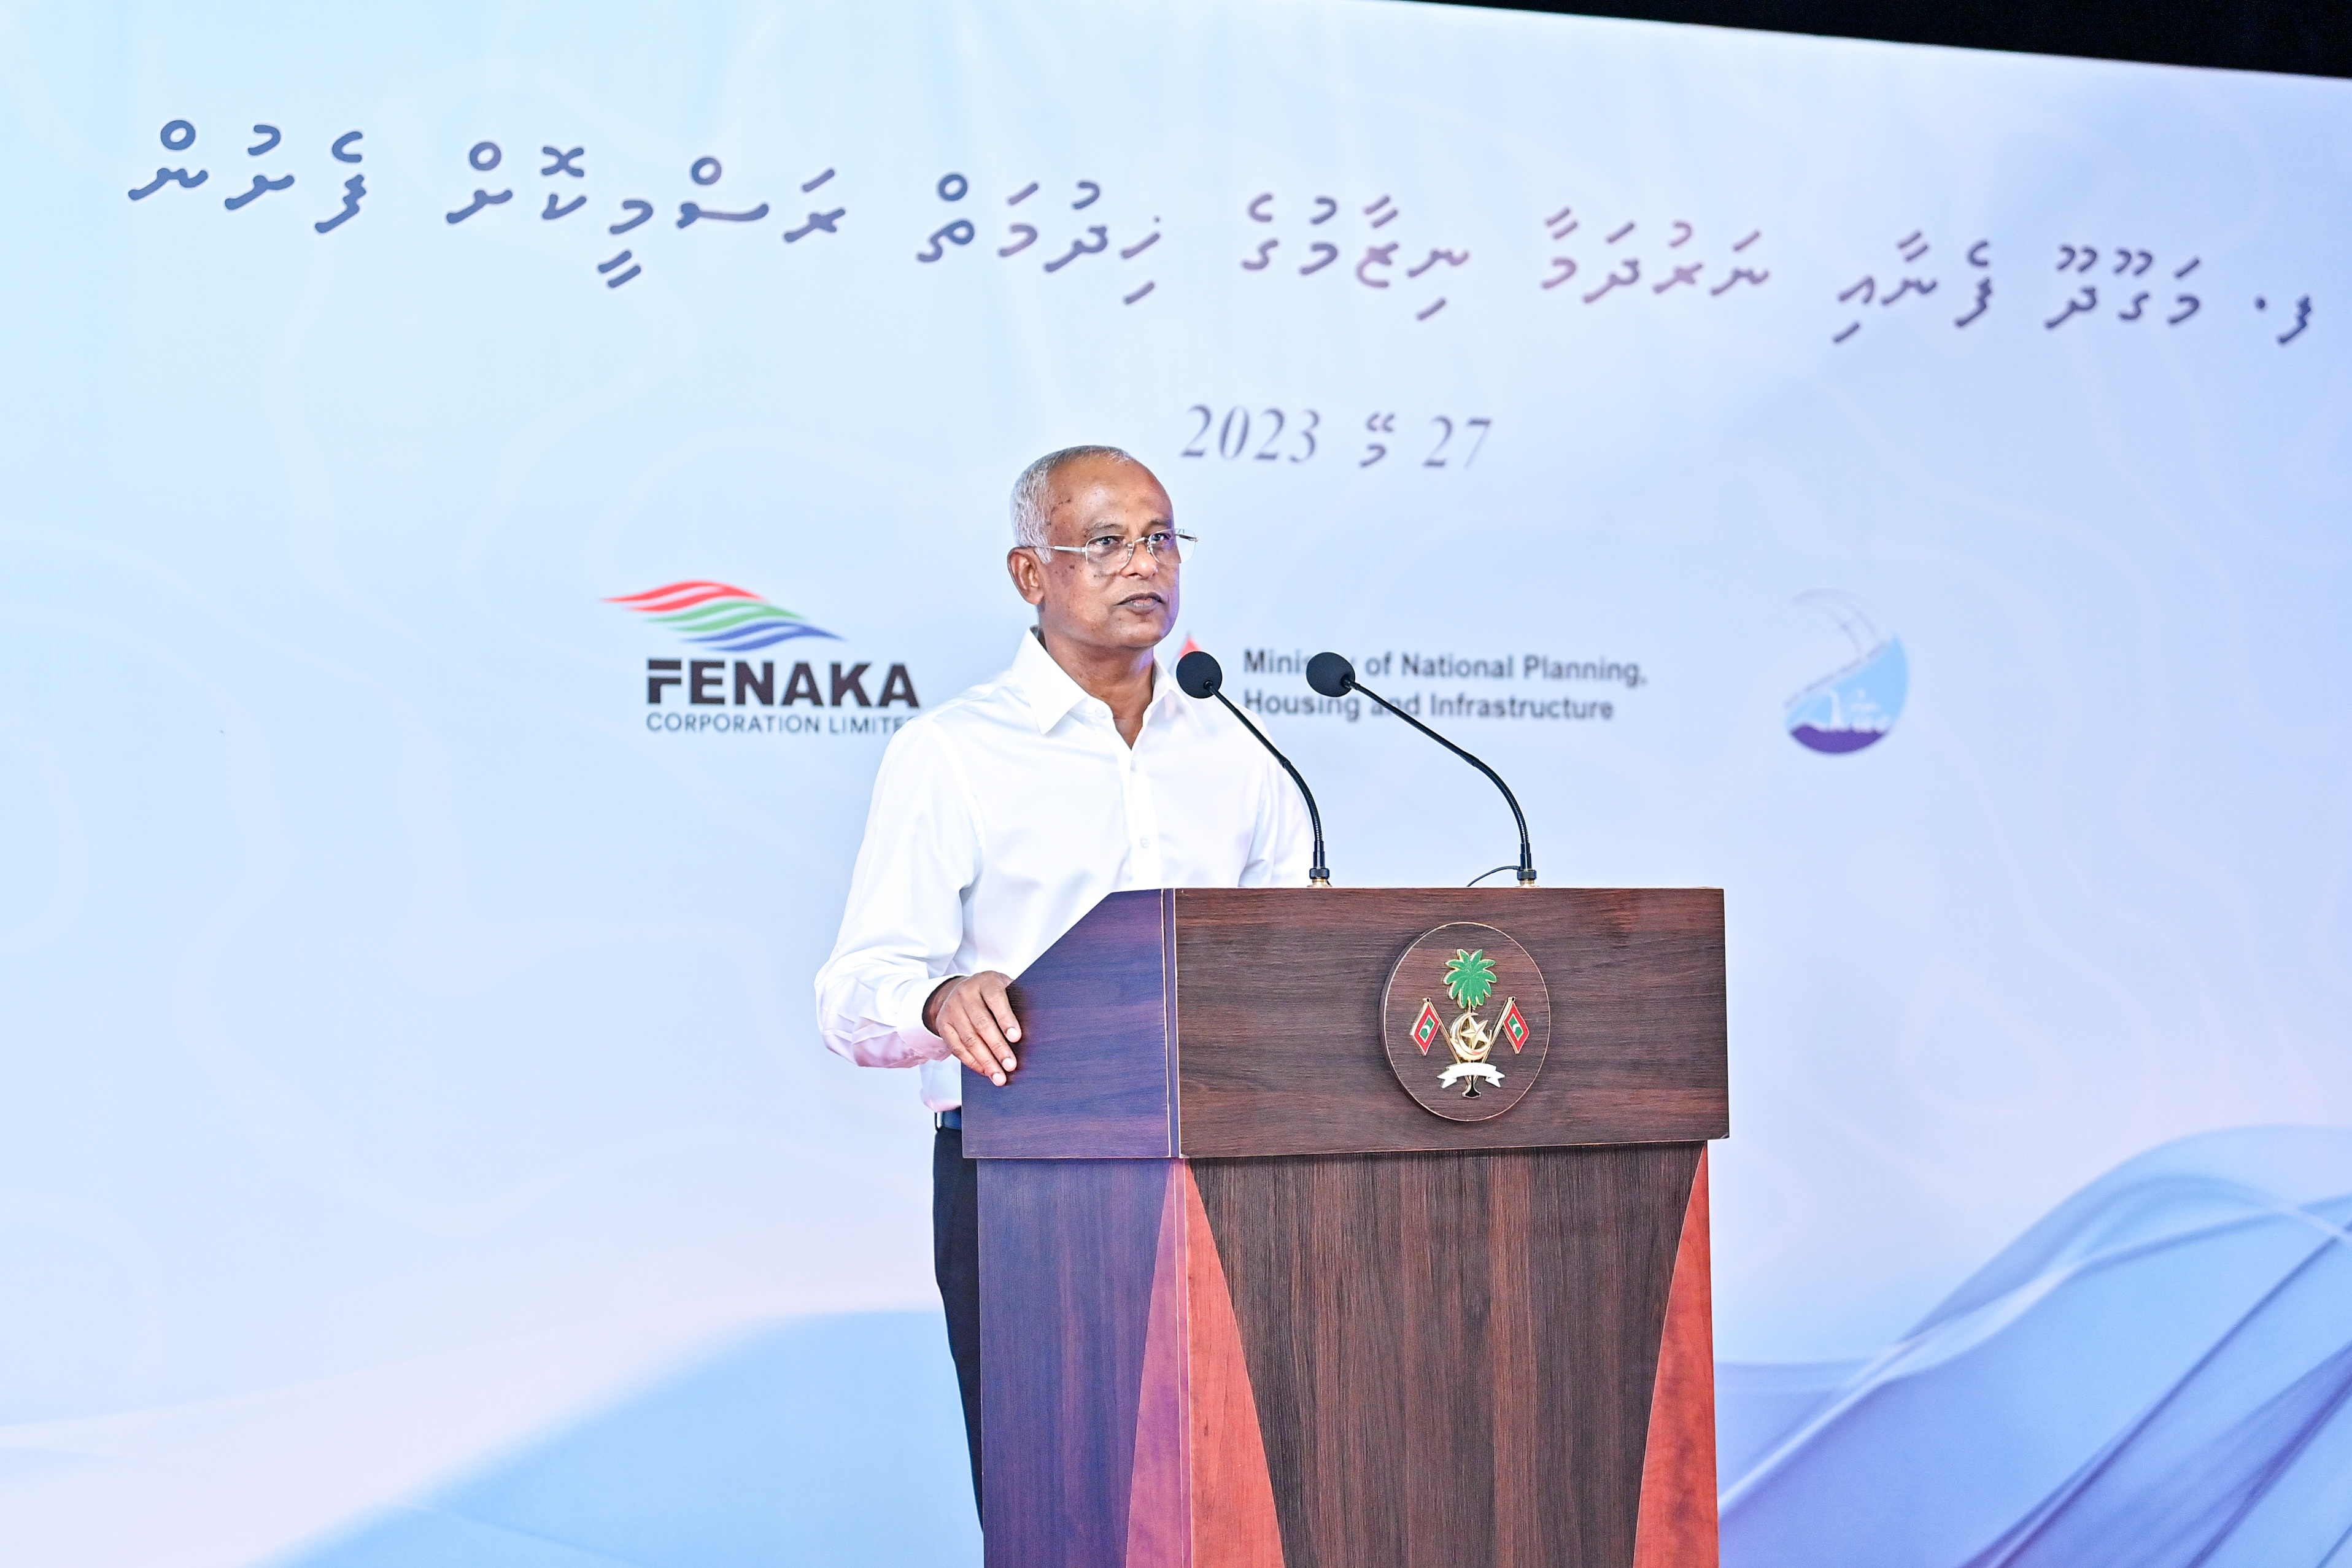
x: 899, y: 1003
x: 943, y: 1084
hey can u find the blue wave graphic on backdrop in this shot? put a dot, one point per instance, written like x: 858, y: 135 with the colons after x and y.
x: 2158, y: 1373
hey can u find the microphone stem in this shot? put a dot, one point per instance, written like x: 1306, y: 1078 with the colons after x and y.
x: 1527, y: 851
x: 1320, y: 874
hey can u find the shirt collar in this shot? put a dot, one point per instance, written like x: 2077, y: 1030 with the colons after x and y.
x: 1051, y: 694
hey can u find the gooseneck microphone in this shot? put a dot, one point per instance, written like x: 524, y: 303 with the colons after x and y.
x: 1198, y: 675
x: 1333, y: 676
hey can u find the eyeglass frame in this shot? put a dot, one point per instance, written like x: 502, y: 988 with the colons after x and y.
x: 1184, y: 543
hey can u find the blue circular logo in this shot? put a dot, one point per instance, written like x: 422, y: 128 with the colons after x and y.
x: 1856, y: 703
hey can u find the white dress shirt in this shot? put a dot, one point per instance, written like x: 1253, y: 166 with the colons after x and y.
x: 1003, y: 815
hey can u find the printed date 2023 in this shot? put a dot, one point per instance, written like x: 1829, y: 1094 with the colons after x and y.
x: 1281, y: 436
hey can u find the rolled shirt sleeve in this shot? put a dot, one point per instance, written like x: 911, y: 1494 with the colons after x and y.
x: 902, y: 928
x: 1004, y: 815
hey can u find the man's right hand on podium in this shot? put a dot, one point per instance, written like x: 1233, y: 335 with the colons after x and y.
x: 973, y: 1015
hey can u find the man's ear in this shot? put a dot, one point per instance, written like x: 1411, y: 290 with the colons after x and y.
x: 1028, y: 574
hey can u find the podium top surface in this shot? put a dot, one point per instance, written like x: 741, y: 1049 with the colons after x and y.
x: 1239, y: 1022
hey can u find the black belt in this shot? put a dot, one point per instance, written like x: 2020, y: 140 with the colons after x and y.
x: 949, y: 1120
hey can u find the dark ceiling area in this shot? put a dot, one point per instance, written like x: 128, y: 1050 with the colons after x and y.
x: 2311, y: 37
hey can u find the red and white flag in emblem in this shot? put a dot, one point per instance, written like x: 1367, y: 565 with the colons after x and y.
x: 1427, y: 1027
x: 1514, y: 1027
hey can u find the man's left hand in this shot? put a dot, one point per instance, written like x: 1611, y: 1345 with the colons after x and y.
x: 974, y: 1016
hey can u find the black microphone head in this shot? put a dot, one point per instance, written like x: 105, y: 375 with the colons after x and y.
x: 1198, y: 674
x: 1330, y: 674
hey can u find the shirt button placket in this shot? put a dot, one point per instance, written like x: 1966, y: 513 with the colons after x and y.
x: 1142, y: 824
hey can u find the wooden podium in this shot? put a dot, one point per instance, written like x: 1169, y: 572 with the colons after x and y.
x: 1246, y: 1302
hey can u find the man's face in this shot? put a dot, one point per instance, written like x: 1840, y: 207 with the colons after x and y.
x: 1133, y: 605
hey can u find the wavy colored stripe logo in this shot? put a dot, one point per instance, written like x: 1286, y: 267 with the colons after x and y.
x: 722, y: 617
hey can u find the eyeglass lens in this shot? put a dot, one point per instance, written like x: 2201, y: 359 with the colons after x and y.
x: 1109, y: 552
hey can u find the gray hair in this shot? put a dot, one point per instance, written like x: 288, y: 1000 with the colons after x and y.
x: 1030, y: 523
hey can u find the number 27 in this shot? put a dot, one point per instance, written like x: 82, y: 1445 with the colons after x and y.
x: 1436, y: 458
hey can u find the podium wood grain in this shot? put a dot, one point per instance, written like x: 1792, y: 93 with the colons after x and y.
x: 1068, y: 1250
x: 1245, y: 1304
x: 1450, y: 1361
x: 1214, y: 1022
x: 1454, y: 1355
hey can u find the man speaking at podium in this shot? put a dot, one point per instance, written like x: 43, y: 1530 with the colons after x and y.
x: 1002, y: 816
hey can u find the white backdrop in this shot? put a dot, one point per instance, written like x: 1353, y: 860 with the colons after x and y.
x: 410, y: 1098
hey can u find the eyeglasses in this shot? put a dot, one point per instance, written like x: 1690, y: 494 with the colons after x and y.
x: 1109, y: 554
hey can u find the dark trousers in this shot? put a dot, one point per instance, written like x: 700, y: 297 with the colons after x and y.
x: 955, y: 1257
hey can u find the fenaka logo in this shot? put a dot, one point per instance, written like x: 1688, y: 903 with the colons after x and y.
x: 729, y: 619
x: 687, y: 696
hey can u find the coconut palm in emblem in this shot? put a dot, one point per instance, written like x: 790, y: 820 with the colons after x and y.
x: 1469, y: 981
x: 1469, y: 978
